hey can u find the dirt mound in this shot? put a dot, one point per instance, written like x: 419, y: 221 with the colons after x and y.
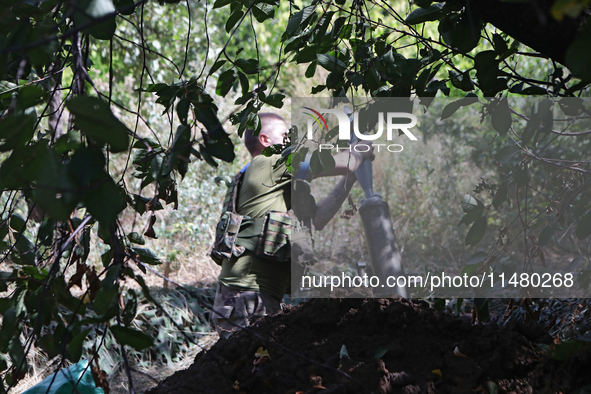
x: 332, y: 346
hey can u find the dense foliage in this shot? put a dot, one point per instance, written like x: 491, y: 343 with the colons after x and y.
x: 84, y: 145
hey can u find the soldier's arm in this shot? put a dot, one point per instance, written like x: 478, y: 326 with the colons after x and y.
x: 345, y: 164
x: 349, y: 161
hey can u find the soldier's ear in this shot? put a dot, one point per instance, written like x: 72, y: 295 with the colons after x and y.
x: 264, y: 140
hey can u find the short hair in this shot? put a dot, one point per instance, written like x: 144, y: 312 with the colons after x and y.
x: 251, y: 141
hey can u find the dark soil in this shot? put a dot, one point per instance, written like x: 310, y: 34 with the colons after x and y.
x: 425, y: 352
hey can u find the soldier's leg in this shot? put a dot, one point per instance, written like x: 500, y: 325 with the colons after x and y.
x: 234, y: 309
x: 260, y: 304
x: 229, y: 311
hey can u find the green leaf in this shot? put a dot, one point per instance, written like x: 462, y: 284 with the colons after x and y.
x: 472, y: 215
x: 29, y: 96
x: 430, y: 13
x: 584, y: 226
x: 531, y: 129
x: 275, y: 100
x: 233, y: 19
x: 93, y: 117
x: 74, y: 348
x: 506, y: 153
x: 244, y: 84
x: 17, y: 223
x: 88, y: 11
x: 216, y: 66
x: 476, y: 232
x: 534, y: 91
x: 207, y: 115
x: 124, y: 7
x: 222, y: 3
x: 331, y: 63
x: 540, y: 121
x: 17, y: 354
x: 134, y: 338
x: 139, y: 204
x: 107, y: 256
x: 337, y: 28
x: 182, y: 109
x: 578, y: 56
x: 571, y: 106
x: 452, y: 107
x: 461, y: 81
x: 105, y: 302
x: 178, y: 157
x: 311, y: 70
x: 9, y: 325
x: 574, y: 264
x: 16, y: 130
x: 105, y: 200
x: 146, y: 256
x: 299, y: 19
x: 225, y: 82
x: 262, y: 12
x: 460, y: 31
x: 501, y: 117
x: 6, y: 88
x: 207, y: 156
x: 86, y: 165
x: 477, y: 257
x: 500, y: 44
x: 222, y: 148
x: 317, y: 89
x: 307, y: 54
x: 470, y: 203
x: 501, y: 195
x: 250, y: 66
x: 130, y: 310
x: 136, y: 238
x: 487, y: 70
x: 54, y: 190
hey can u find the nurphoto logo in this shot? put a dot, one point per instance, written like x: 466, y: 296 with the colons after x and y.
x: 394, y: 121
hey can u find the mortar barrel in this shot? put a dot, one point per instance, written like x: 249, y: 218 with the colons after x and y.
x: 381, y: 243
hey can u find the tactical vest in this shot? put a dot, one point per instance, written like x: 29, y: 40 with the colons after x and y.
x: 271, y: 237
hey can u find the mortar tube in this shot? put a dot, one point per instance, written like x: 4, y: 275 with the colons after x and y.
x: 381, y: 243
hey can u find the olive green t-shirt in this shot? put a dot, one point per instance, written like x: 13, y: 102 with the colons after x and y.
x: 263, y: 189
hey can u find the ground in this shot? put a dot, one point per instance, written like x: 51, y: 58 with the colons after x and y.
x: 379, y: 346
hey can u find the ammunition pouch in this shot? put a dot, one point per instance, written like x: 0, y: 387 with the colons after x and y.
x: 268, y: 237
x: 275, y: 237
x: 226, y: 232
x: 272, y: 236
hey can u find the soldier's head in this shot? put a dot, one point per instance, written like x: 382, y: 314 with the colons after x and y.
x: 273, y: 130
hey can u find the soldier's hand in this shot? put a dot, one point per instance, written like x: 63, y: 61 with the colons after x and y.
x: 365, y: 149
x: 361, y: 151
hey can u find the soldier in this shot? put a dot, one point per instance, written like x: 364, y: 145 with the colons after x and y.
x: 255, y: 264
